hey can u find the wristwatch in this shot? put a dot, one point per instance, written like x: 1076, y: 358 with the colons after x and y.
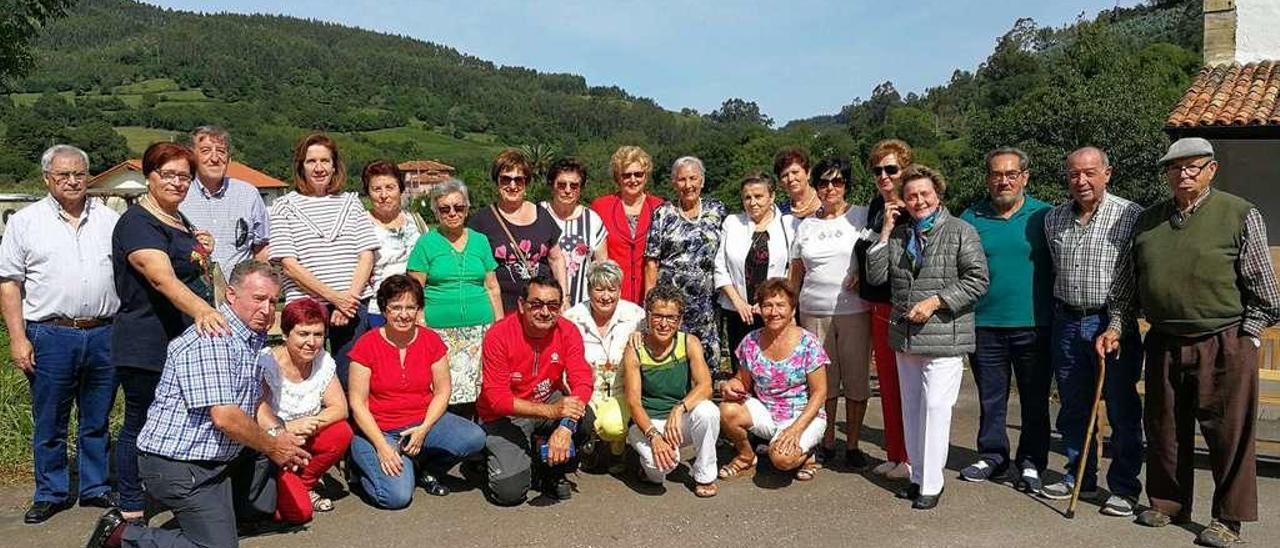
x: 274, y: 431
x: 653, y: 432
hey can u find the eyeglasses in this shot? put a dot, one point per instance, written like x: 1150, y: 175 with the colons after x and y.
x: 823, y: 183
x: 633, y: 175
x: 456, y: 208
x: 65, y: 176
x: 170, y: 177
x: 568, y: 185
x: 1002, y: 175
x: 666, y: 318
x: 504, y: 180
x: 402, y: 308
x: 1189, y: 170
x: 552, y: 306
x: 889, y: 170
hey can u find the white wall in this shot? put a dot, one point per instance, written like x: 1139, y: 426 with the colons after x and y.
x: 1257, y: 30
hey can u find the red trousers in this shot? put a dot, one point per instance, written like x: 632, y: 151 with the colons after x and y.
x: 887, y: 372
x: 293, y: 504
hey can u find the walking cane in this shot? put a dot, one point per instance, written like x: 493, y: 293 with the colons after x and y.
x: 1088, y: 438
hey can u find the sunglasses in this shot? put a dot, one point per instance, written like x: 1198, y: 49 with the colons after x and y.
x: 505, y: 180
x: 823, y: 183
x: 568, y: 185
x: 889, y: 170
x: 445, y: 209
x: 552, y: 306
x: 633, y: 175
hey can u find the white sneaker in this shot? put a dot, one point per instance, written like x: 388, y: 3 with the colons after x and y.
x: 884, y: 467
x: 901, y: 471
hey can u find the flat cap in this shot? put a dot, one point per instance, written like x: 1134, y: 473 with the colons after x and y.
x: 1187, y: 147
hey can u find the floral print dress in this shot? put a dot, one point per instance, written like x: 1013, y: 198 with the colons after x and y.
x: 686, y: 250
x: 783, y: 385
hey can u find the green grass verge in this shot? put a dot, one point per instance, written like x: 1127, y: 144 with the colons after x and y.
x: 28, y: 99
x: 184, y: 96
x: 139, y: 138
x: 155, y: 85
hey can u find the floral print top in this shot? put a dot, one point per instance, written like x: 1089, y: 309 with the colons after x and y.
x: 782, y: 386
x: 534, y: 241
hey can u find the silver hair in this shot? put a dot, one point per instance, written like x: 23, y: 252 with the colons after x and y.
x: 213, y: 132
x: 605, y: 273
x: 246, y: 268
x: 1024, y: 161
x: 686, y: 161
x: 1102, y: 154
x: 449, y: 186
x: 46, y: 159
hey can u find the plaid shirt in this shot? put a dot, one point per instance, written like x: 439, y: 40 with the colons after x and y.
x: 1257, y: 278
x: 1087, y: 257
x: 199, y: 373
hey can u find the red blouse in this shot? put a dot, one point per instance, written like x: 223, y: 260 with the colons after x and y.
x: 398, y: 396
x: 624, y: 248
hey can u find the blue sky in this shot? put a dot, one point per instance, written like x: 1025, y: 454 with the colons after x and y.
x: 795, y: 59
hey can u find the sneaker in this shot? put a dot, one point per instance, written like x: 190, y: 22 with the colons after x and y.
x: 1029, y: 482
x: 901, y: 470
x: 558, y: 487
x: 884, y: 467
x: 1062, y: 491
x: 977, y: 472
x: 1119, y: 506
x: 1219, y: 535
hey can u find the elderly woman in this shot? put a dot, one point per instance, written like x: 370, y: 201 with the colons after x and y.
x: 791, y: 166
x: 669, y: 395
x: 681, y: 251
x: 754, y: 246
x: 325, y: 243
x: 936, y: 270
x: 455, y: 266
x: 397, y: 229
x: 405, y: 436
x: 824, y: 268
x: 627, y: 215
x: 778, y: 392
x: 606, y: 321
x: 525, y: 238
x: 302, y: 392
x: 582, y: 233
x: 161, y: 267
x: 887, y: 160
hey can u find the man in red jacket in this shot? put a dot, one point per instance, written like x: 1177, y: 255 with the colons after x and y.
x: 533, y: 397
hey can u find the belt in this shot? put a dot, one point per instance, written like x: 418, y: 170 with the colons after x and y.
x: 1079, y: 311
x: 78, y: 323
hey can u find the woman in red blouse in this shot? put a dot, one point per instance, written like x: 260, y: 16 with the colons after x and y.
x: 404, y: 435
x: 627, y: 214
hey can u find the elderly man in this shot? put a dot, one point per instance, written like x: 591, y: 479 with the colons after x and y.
x: 1202, y: 276
x: 201, y: 420
x: 533, y: 397
x: 1012, y: 322
x: 230, y: 209
x: 58, y: 297
x: 1089, y: 239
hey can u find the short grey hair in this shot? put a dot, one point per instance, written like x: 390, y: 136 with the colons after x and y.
x: 213, y: 132
x: 445, y: 188
x: 604, y: 273
x: 1102, y: 154
x: 250, y: 267
x: 1024, y: 161
x: 687, y: 161
x: 46, y: 159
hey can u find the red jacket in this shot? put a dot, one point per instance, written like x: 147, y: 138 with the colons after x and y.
x: 516, y: 367
x: 628, y: 251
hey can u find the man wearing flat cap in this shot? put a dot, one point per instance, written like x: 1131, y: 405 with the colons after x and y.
x: 1201, y: 274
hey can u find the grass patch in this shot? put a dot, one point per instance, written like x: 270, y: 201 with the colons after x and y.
x: 184, y: 96
x: 28, y: 99
x: 139, y: 138
x: 154, y: 85
x: 430, y: 144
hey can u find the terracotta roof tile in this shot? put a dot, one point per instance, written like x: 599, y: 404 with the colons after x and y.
x: 1231, y: 95
x: 425, y: 165
x: 235, y: 170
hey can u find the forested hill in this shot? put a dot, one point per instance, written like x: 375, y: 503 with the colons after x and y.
x: 116, y: 75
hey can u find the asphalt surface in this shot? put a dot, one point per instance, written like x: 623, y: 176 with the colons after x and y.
x: 839, y: 508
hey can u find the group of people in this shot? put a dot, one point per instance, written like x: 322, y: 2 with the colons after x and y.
x: 519, y: 339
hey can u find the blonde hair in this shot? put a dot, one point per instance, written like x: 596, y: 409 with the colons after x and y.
x: 627, y: 155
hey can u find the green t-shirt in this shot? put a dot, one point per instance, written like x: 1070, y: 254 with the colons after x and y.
x: 665, y: 382
x: 1019, y: 263
x: 454, y: 294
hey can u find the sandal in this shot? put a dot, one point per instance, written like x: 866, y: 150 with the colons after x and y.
x: 736, y: 468
x: 706, y: 490
x: 807, y: 471
x: 319, y: 503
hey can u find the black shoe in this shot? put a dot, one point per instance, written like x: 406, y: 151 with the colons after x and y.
x: 855, y: 458
x: 41, y: 511
x: 432, y: 486
x: 557, y: 487
x: 910, y: 492
x: 104, y: 533
x: 927, y: 502
x: 105, y: 500
x: 824, y: 454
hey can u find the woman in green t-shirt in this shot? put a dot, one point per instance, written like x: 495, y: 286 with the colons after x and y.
x: 456, y: 268
x: 668, y: 389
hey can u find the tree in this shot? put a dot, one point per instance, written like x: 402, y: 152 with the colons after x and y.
x: 20, y: 22
x: 737, y: 111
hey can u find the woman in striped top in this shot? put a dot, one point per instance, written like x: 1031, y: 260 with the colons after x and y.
x: 325, y: 243
x: 582, y: 232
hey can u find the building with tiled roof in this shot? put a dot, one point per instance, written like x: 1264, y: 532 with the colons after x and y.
x: 421, y: 175
x: 125, y: 180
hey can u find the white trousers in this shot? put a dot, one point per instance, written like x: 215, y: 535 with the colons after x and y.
x: 930, y: 386
x: 700, y: 428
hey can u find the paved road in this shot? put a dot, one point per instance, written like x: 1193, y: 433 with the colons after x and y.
x: 839, y: 508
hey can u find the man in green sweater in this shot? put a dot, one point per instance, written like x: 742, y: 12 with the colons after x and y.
x: 1201, y: 273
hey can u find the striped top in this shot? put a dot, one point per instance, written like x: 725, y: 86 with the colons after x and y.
x: 580, y: 236
x: 326, y: 235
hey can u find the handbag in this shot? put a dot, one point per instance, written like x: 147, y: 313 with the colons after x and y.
x: 529, y: 268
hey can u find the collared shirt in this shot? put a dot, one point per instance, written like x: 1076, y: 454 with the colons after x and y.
x: 603, y: 349
x: 201, y: 372
x: 1257, y: 278
x: 234, y: 214
x: 64, y: 268
x: 1021, y: 270
x: 1086, y: 257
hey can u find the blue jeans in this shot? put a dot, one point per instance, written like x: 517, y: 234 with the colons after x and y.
x: 139, y: 387
x: 1075, y: 364
x: 71, y: 365
x: 450, y: 440
x: 1022, y: 353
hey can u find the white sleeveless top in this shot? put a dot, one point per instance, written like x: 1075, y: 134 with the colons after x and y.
x: 301, y: 399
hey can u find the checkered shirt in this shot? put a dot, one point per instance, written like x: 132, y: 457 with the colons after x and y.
x: 1087, y: 257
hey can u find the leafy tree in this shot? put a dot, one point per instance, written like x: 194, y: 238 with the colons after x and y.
x: 737, y: 111
x: 20, y: 21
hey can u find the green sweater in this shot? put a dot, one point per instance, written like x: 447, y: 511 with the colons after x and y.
x: 1186, y: 276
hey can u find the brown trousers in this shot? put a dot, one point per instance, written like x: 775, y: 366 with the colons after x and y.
x: 1212, y: 380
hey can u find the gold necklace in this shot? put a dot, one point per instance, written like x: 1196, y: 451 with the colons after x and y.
x: 148, y: 203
